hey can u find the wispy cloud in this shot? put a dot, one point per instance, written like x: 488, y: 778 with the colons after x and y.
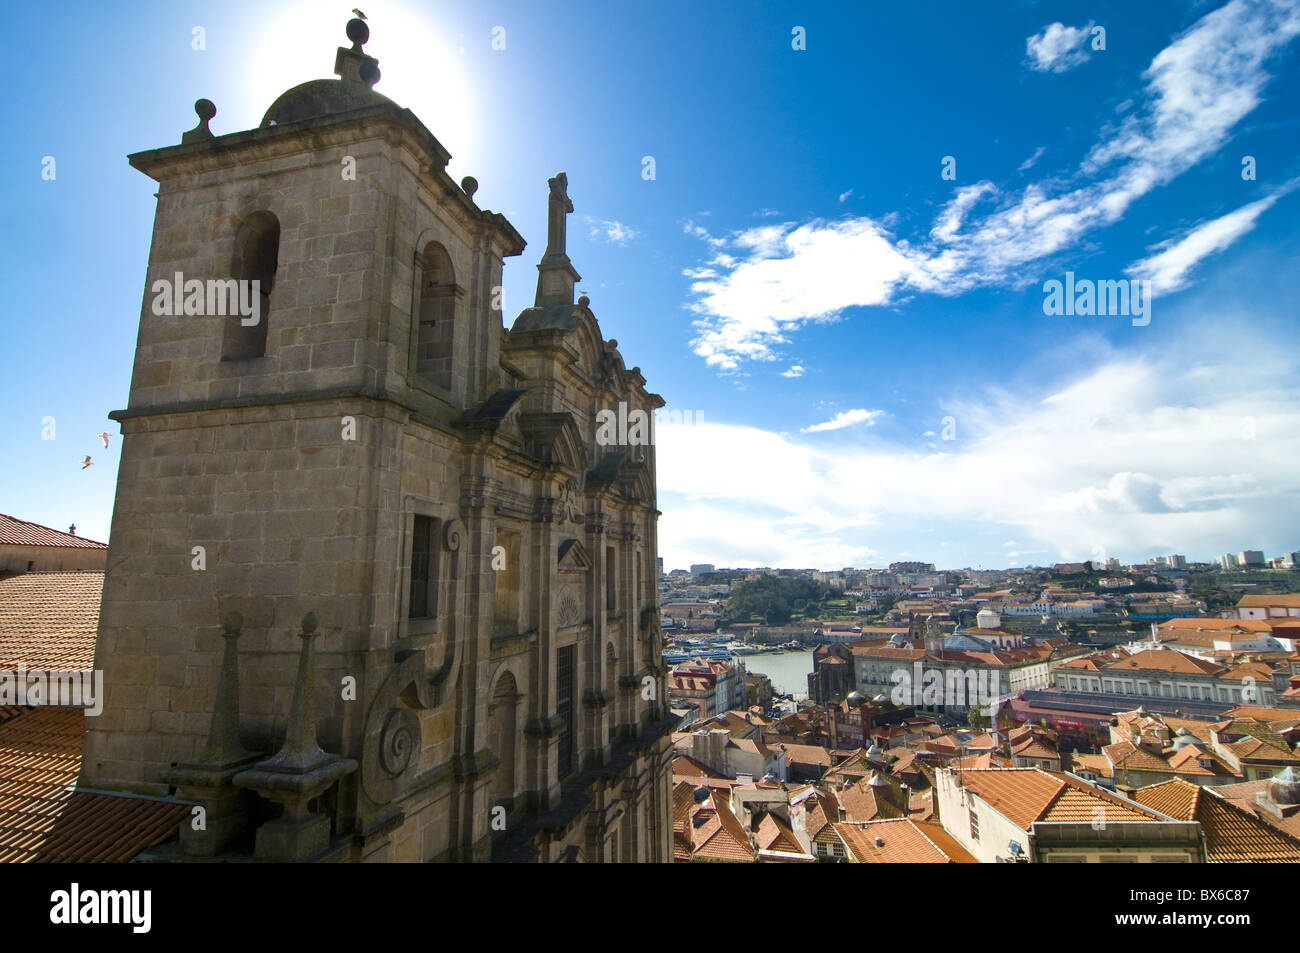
x: 795, y: 370
x: 844, y: 196
x: 763, y: 283
x: 1058, y: 48
x: 614, y: 232
x: 1029, y: 163
x: 844, y: 419
x: 1170, y: 268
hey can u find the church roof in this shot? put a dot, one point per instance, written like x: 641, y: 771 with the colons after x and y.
x: 551, y: 317
x: 964, y: 641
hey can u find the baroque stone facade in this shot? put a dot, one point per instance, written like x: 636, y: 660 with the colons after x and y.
x: 481, y: 663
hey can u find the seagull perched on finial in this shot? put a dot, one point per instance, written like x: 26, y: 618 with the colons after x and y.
x: 85, y: 462
x: 103, y: 435
x: 358, y: 13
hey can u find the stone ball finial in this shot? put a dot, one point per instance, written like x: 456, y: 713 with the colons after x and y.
x: 309, y: 621
x: 233, y: 621
x: 370, y: 72
x: 584, y: 301
x: 613, y: 343
x: 205, y: 109
x: 358, y: 32
x: 470, y: 185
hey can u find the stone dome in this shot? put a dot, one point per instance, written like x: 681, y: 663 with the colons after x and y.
x: 322, y: 97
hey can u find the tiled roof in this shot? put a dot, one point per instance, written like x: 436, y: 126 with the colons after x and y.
x: 1096, y: 763
x: 1129, y: 757
x: 862, y: 802
x: 1232, y: 835
x: 48, y: 620
x: 1033, y: 748
x: 1264, y: 602
x: 16, y: 532
x: 721, y: 836
x: 1026, y: 795
x: 1165, y: 660
x: 807, y: 754
x: 1202, y: 623
x: 43, y: 820
x: 902, y: 841
x: 773, y: 834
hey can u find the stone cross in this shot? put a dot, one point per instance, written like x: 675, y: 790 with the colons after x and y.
x: 559, y: 207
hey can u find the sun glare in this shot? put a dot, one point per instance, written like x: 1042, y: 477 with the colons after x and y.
x: 420, y: 68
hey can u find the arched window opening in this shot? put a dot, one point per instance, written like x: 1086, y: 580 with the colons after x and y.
x: 503, y: 717
x: 257, y: 258
x: 437, y: 316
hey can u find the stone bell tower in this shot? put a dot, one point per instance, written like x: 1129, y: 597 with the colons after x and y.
x: 370, y: 586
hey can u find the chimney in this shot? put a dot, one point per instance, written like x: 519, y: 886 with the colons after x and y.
x: 907, y: 800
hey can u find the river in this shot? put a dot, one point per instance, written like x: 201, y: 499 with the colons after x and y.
x: 788, y: 671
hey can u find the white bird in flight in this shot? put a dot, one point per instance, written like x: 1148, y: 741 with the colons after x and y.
x: 85, y: 462
x: 104, y: 437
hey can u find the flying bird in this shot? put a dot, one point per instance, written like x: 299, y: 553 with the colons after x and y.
x: 104, y: 437
x: 85, y: 462
x: 358, y: 13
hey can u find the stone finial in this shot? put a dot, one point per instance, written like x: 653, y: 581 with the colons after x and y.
x: 470, y: 185
x: 298, y: 773
x: 223, y: 748
x: 208, y: 778
x: 205, y: 109
x: 352, y: 64
x: 300, y: 750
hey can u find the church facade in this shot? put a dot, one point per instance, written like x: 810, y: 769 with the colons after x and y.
x: 376, y: 588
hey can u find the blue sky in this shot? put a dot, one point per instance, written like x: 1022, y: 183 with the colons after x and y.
x: 798, y: 271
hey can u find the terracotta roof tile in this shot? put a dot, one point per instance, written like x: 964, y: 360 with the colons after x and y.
x: 1025, y: 795
x: 902, y: 841
x: 1232, y: 835
x: 16, y: 532
x: 48, y: 620
x: 43, y: 820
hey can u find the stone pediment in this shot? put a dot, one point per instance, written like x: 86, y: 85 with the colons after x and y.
x: 573, y: 557
x: 553, y: 438
x: 618, y: 470
x: 489, y: 415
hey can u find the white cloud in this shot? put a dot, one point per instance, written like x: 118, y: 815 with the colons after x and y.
x: 844, y: 196
x: 614, y: 232
x: 1058, y: 48
x: 774, y: 278
x: 1134, y: 455
x: 795, y: 370
x: 846, y: 418
x: 1030, y: 162
x: 1169, y: 268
